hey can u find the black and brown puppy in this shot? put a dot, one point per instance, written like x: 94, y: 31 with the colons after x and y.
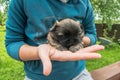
x: 66, y: 35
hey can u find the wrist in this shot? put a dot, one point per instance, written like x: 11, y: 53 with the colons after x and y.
x: 28, y: 53
x: 45, y: 49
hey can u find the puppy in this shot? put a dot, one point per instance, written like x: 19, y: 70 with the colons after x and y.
x: 66, y: 35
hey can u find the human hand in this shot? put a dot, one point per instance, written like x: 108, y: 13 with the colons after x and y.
x: 86, y: 41
x: 48, y: 53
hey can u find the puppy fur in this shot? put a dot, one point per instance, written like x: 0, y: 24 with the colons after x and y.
x: 66, y: 34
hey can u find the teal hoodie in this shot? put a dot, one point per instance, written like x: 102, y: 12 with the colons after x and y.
x: 29, y: 22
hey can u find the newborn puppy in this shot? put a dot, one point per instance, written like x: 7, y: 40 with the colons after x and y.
x: 66, y: 35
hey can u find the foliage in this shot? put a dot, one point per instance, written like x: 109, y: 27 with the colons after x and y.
x: 106, y: 33
x: 113, y: 45
x: 107, y: 10
x: 118, y: 41
x: 2, y: 18
x: 4, y: 3
x: 9, y: 68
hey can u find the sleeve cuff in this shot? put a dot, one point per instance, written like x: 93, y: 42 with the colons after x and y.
x: 13, y: 50
x: 93, y: 39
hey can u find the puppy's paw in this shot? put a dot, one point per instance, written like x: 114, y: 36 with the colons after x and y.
x: 74, y: 49
x: 61, y: 48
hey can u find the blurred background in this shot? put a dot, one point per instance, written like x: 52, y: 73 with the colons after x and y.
x: 107, y: 20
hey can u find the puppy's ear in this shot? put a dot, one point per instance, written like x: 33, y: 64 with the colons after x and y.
x: 82, y: 29
x: 81, y: 26
x: 54, y: 26
x: 78, y: 22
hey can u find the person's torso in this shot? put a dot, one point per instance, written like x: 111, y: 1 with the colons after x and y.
x: 41, y: 15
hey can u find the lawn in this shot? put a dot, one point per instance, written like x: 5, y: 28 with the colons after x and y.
x: 109, y: 56
x: 9, y: 68
x: 13, y: 70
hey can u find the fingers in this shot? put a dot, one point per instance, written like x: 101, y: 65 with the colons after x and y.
x: 93, y: 48
x: 44, y: 56
x: 84, y: 56
x: 74, y: 56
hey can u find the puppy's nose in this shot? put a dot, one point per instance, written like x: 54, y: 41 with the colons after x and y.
x: 69, y: 41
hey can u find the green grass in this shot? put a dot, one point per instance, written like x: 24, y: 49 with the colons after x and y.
x: 109, y: 56
x: 9, y: 69
x: 13, y: 70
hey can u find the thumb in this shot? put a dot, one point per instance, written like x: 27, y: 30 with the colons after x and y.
x: 47, y: 65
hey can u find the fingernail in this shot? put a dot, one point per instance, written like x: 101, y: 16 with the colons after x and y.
x: 103, y: 47
x: 46, y: 73
x: 99, y: 56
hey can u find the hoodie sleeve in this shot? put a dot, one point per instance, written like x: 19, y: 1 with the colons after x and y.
x: 15, y: 25
x: 88, y: 23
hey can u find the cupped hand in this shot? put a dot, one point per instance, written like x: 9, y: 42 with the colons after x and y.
x: 48, y: 53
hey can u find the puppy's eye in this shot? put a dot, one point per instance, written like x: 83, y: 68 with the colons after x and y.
x: 60, y: 34
x: 80, y: 32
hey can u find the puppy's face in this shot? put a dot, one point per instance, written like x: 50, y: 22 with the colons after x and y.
x: 67, y: 33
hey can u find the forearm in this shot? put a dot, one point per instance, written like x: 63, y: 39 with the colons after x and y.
x: 27, y: 53
x: 89, y: 26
